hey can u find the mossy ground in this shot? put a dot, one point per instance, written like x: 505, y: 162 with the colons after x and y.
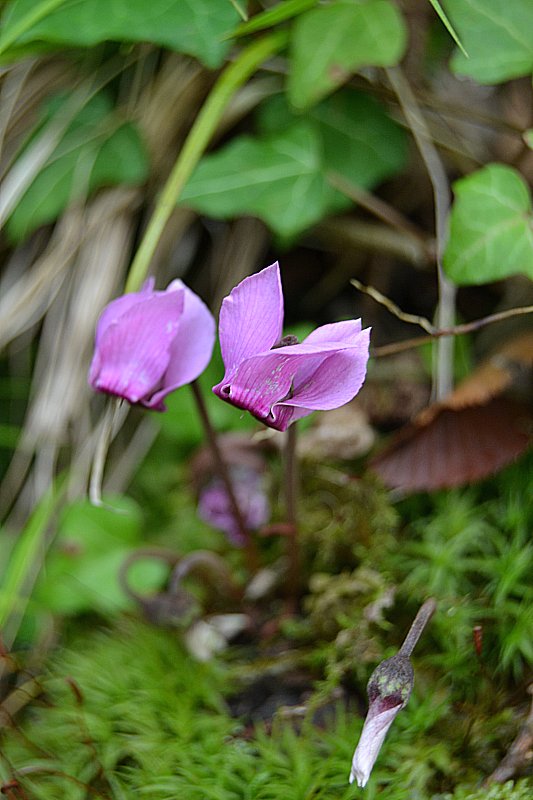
x: 127, y: 713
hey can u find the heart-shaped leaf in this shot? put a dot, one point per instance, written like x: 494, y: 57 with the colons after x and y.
x: 333, y: 41
x: 359, y: 140
x: 196, y: 27
x: 491, y: 227
x: 282, y: 177
x: 497, y: 35
x: 278, y: 178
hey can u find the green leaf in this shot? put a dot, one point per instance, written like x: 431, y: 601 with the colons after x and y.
x: 497, y: 34
x: 97, y: 149
x: 94, y: 529
x: 278, y: 178
x: 82, y: 567
x: 274, y: 16
x: 282, y: 177
x: 491, y: 227
x: 25, y: 558
x: 331, y: 42
x: 447, y: 24
x: 195, y: 27
x: 359, y: 140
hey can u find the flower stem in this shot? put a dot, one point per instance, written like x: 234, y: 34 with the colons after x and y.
x: 223, y: 472
x: 425, y: 612
x: 233, y: 77
x: 291, y: 510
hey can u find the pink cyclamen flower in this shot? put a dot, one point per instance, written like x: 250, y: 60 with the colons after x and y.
x: 276, y: 382
x: 150, y: 343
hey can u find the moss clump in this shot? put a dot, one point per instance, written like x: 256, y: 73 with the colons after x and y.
x: 127, y: 714
x: 344, y: 520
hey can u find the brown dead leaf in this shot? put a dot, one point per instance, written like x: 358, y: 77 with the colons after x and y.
x: 473, y: 433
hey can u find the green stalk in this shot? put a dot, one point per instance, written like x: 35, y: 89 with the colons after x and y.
x: 233, y: 77
x: 272, y: 16
x: 27, y: 22
x: 25, y: 561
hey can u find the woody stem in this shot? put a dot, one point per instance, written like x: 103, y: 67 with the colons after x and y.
x: 223, y: 472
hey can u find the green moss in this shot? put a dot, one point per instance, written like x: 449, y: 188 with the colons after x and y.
x: 127, y: 714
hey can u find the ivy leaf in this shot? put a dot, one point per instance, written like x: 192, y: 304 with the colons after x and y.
x: 282, y: 176
x: 497, y: 35
x: 359, y: 140
x: 331, y: 42
x: 196, y: 27
x: 96, y: 150
x: 491, y: 227
x: 278, y: 178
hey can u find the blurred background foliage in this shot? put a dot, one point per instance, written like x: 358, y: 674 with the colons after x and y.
x: 388, y: 141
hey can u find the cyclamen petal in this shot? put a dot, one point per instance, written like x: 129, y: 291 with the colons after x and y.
x: 389, y: 688
x: 251, y: 317
x: 372, y: 737
x: 281, y: 385
x: 149, y: 343
x: 192, y: 346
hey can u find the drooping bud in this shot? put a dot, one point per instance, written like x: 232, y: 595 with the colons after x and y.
x: 389, y: 689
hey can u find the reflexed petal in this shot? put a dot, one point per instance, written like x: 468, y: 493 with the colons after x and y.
x: 347, y: 331
x: 251, y: 317
x: 335, y: 381
x: 133, y: 352
x: 116, y: 308
x: 192, y: 346
x: 262, y: 381
x: 372, y: 737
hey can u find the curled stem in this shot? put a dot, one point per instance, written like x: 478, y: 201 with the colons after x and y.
x: 223, y: 472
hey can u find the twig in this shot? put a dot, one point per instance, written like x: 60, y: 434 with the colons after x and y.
x: 433, y: 331
x: 457, y: 330
x: 376, y: 295
x: 443, y: 373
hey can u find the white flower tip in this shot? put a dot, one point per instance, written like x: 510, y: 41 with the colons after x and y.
x: 357, y: 775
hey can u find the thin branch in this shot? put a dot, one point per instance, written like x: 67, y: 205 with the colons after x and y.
x: 376, y: 295
x: 456, y: 330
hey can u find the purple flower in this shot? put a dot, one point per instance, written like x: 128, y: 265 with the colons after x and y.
x: 214, y: 506
x: 150, y: 343
x: 389, y: 689
x: 280, y: 383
